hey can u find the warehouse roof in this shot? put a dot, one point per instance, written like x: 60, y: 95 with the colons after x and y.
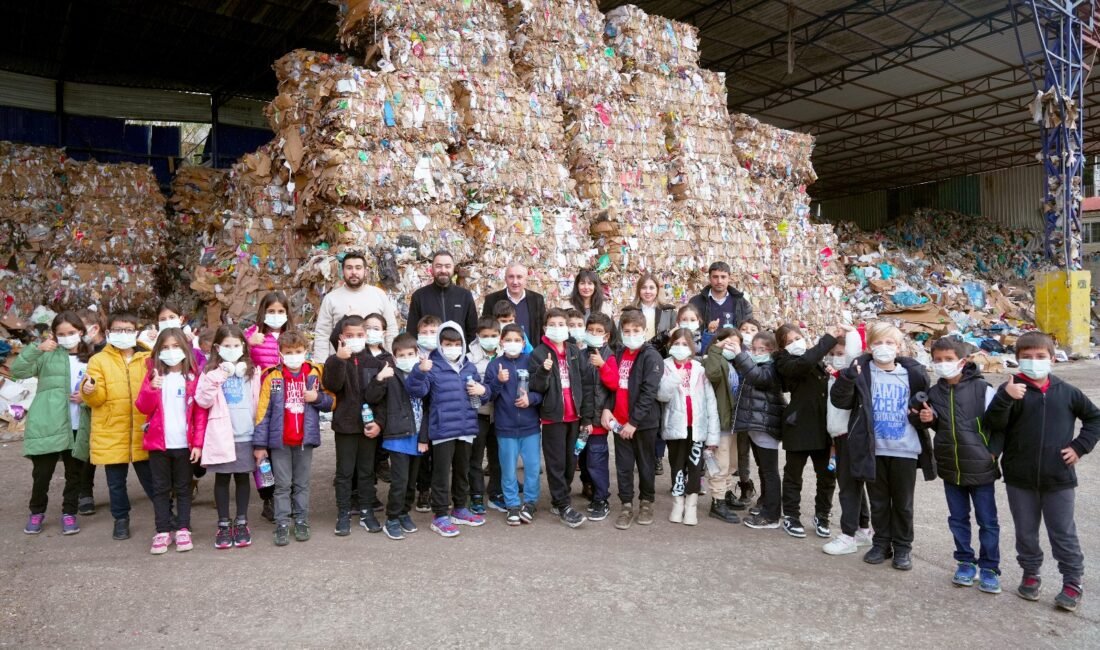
x: 897, y: 92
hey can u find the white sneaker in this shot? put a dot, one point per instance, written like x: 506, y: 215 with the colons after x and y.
x: 841, y: 545
x: 865, y: 537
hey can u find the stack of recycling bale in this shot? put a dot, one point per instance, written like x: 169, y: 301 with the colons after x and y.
x: 112, y: 247
x: 517, y: 199
x: 31, y: 205
x: 198, y: 205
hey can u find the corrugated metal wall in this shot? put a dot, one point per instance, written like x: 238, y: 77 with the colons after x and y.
x: 868, y: 211
x: 1013, y: 196
x: 1009, y: 196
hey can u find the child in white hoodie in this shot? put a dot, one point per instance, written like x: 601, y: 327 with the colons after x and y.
x: 690, y: 421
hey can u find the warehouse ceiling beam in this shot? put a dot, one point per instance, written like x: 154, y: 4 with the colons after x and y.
x: 919, y: 46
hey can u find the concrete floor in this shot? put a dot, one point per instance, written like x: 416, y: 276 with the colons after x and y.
x: 540, y: 586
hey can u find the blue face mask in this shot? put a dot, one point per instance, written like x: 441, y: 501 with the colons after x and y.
x: 730, y: 355
x: 761, y: 358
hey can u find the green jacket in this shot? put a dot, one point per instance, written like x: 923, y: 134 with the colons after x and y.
x: 49, y: 426
x: 718, y: 373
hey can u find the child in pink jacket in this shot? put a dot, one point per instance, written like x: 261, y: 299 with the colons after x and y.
x: 229, y: 387
x: 272, y: 319
x: 167, y: 398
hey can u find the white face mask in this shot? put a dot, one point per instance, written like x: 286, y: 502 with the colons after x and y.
x: 593, y: 340
x: 452, y: 353
x: 836, y: 362
x: 275, y: 321
x: 578, y: 334
x: 690, y: 326
x: 171, y: 356
x: 489, y: 343
x: 294, y: 361
x: 633, y: 341
x: 171, y: 323
x: 375, y: 337
x: 69, y: 342
x: 122, y: 341
x: 356, y: 345
x: 513, y: 348
x: 427, y: 342
x: 729, y: 355
x: 680, y: 352
x: 405, y: 364
x: 230, y: 354
x: 884, y: 354
x: 947, y: 369
x: 557, y: 334
x: 89, y: 336
x: 1036, y: 369
x: 797, y: 348
x: 762, y: 358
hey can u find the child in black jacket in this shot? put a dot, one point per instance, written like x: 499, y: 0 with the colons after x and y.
x: 557, y: 375
x: 758, y: 411
x: 954, y: 410
x: 1032, y: 419
x: 401, y: 424
x: 886, y: 442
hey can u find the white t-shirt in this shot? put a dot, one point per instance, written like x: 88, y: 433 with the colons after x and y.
x: 76, y: 374
x: 173, y: 396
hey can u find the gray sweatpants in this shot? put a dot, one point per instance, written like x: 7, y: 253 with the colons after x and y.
x: 1029, y: 509
x: 291, y: 467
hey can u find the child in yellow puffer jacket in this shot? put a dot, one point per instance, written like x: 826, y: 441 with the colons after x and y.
x: 110, y: 387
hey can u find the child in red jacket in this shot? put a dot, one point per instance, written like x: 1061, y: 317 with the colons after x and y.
x: 167, y: 398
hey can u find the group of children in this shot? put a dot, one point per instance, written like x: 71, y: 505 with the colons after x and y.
x: 436, y: 404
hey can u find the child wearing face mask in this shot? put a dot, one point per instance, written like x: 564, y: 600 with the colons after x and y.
x: 172, y: 437
x: 575, y: 321
x: 273, y: 318
x: 954, y: 411
x: 59, y: 364
x: 230, y: 388
x: 482, y: 351
x: 404, y: 433
x: 109, y: 388
x: 689, y: 422
x: 1032, y: 420
x: 288, y: 430
x: 804, y: 432
x: 170, y: 316
x: 855, y: 512
x: 556, y: 373
x: 455, y: 391
x: 518, y: 426
x: 356, y: 438
x: 595, y: 457
x: 758, y: 411
x: 886, y: 441
x: 723, y: 378
x: 427, y: 340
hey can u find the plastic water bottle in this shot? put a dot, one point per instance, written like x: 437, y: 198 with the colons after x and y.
x: 475, y: 401
x: 368, y: 414
x: 832, y: 463
x: 263, y: 474
x: 582, y: 441
x: 524, y: 378
x: 711, y: 462
x: 616, y: 426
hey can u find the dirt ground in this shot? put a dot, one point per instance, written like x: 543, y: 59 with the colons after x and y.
x: 542, y: 585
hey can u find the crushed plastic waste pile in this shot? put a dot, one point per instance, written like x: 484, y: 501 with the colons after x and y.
x: 938, y: 272
x: 81, y: 233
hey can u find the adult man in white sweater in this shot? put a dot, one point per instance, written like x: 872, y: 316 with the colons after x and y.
x: 355, y: 297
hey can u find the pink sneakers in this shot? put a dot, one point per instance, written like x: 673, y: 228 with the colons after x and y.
x: 160, y: 544
x: 183, y: 540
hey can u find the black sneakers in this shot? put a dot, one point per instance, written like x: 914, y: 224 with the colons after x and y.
x: 571, y: 517
x: 720, y: 509
x: 369, y: 521
x: 877, y: 555
x: 1070, y: 597
x: 903, y: 560
x: 513, y: 518
x: 424, y: 501
x: 343, y: 524
x: 759, y: 521
x: 821, y: 527
x: 598, y: 510
x: 122, y: 529
x: 794, y: 527
x: 282, y: 535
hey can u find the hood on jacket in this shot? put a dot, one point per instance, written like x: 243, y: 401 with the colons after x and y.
x: 439, y: 341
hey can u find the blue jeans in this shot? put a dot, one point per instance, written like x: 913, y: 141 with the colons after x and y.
x: 985, y: 511
x: 599, y: 473
x: 116, y: 485
x: 510, y: 449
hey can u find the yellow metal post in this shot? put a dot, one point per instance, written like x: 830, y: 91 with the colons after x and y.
x: 1062, y: 308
